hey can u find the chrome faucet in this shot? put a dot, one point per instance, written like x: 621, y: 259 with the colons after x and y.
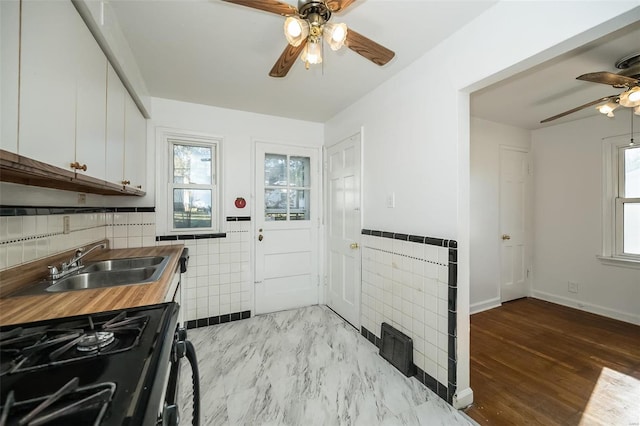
x: 74, y: 264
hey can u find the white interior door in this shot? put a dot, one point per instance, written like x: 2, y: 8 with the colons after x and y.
x: 514, y: 214
x: 343, y: 229
x: 287, y: 222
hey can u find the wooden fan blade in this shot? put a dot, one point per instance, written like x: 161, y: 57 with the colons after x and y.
x: 368, y: 48
x: 272, y: 6
x: 609, y: 78
x: 338, y: 5
x: 286, y: 60
x: 587, y: 105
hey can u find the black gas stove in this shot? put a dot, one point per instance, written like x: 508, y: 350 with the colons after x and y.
x: 108, y: 368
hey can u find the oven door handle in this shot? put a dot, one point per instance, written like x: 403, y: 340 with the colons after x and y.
x: 195, y: 378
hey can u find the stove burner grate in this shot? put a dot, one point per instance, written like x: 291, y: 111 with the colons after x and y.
x: 91, y: 342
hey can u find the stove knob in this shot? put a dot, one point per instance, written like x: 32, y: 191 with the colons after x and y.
x: 181, y: 334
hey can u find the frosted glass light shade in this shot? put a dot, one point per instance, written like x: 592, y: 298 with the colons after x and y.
x: 335, y: 35
x: 630, y: 98
x: 295, y: 30
x: 312, y: 53
x: 608, y: 108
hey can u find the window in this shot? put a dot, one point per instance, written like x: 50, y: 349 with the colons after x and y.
x: 287, y: 186
x: 628, y: 202
x: 193, y: 190
x: 621, y: 208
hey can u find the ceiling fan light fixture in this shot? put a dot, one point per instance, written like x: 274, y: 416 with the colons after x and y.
x: 630, y: 98
x: 312, y: 53
x: 608, y: 108
x: 296, y: 30
x: 335, y: 35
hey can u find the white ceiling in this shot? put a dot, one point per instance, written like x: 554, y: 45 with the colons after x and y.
x: 551, y: 88
x: 216, y: 53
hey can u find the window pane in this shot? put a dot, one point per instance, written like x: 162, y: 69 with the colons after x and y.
x: 632, y: 172
x: 192, y: 208
x: 631, y: 228
x: 275, y: 204
x: 275, y: 170
x: 192, y: 164
x: 300, y: 171
x: 299, y: 204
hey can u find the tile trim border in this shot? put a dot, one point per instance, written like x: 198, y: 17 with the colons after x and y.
x: 448, y: 390
x: 52, y: 210
x: 238, y: 218
x: 219, y: 319
x: 190, y: 237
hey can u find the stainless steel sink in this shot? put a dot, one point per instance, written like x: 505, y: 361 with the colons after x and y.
x: 105, y: 274
x: 104, y: 279
x: 122, y: 264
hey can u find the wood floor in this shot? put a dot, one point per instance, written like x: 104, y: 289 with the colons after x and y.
x: 538, y: 363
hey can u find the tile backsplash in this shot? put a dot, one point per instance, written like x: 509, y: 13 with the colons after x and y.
x: 217, y: 282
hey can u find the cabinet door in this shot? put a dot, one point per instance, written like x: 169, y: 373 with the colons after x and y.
x: 91, y: 106
x: 115, y: 127
x: 48, y: 82
x: 135, y: 145
x: 9, y: 44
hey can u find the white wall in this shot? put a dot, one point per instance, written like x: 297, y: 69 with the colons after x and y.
x: 486, y: 139
x: 568, y: 220
x: 416, y: 125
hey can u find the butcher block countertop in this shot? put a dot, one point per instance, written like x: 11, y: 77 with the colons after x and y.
x: 27, y: 308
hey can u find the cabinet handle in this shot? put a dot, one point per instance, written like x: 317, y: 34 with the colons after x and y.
x: 126, y: 182
x: 75, y: 165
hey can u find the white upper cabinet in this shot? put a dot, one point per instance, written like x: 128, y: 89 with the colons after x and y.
x: 48, y: 82
x: 116, y: 95
x: 9, y: 54
x: 91, y: 79
x: 135, y: 146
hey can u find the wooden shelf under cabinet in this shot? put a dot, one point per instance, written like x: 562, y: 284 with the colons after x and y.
x: 26, y: 171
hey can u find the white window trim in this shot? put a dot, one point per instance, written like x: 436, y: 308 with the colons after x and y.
x: 611, y: 205
x: 164, y: 218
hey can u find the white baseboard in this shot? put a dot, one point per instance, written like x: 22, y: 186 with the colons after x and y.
x: 588, y: 307
x: 463, y: 398
x: 485, y: 305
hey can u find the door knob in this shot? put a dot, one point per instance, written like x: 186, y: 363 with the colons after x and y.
x: 260, y: 237
x: 506, y: 237
x: 354, y: 246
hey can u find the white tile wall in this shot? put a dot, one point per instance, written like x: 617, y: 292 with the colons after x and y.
x: 218, y: 280
x: 27, y: 238
x: 405, y: 285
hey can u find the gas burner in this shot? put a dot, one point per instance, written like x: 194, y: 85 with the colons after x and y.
x: 91, y: 342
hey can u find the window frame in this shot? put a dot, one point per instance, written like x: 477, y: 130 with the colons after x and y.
x: 614, y: 201
x: 289, y: 188
x: 164, y: 192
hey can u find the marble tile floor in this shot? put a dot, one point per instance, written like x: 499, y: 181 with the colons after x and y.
x: 303, y: 367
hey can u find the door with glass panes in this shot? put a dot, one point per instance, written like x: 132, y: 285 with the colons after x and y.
x: 287, y: 221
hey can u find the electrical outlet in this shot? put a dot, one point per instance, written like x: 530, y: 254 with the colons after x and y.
x: 66, y: 224
x: 572, y: 287
x: 82, y: 199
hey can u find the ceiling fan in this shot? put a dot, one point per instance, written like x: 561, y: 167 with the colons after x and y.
x: 308, y: 24
x: 628, y: 78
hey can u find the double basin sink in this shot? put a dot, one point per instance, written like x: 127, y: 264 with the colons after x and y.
x: 108, y: 273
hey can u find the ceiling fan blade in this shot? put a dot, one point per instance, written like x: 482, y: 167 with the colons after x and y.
x: 338, y: 5
x: 273, y: 6
x: 587, y: 105
x: 368, y: 48
x: 286, y: 60
x: 609, y: 78
x: 632, y: 71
